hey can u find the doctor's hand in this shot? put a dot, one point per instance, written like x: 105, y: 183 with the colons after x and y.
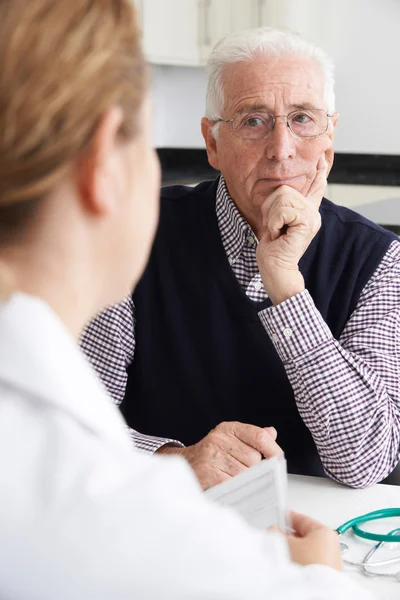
x: 312, y: 543
x: 291, y: 221
x: 227, y: 450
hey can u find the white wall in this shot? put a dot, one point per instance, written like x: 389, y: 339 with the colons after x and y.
x: 362, y: 36
x: 364, y: 40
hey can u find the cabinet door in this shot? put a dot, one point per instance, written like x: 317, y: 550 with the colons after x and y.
x: 272, y: 13
x: 170, y: 31
x: 214, y: 23
x: 245, y: 14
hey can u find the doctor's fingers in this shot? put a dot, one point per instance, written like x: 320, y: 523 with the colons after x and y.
x: 258, y: 438
x: 303, y: 524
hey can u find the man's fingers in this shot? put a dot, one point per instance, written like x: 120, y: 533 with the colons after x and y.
x: 245, y: 454
x: 228, y: 464
x: 257, y: 438
x: 272, y: 432
x: 281, y: 216
x: 318, y: 186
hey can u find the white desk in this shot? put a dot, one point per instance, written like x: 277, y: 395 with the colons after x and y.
x: 333, y: 504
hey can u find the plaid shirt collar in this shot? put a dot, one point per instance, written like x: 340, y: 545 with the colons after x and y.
x: 233, y: 227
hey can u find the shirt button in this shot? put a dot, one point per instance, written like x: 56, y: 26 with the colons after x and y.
x: 251, y: 240
x: 231, y: 260
x: 257, y: 285
x: 275, y: 337
x: 287, y: 332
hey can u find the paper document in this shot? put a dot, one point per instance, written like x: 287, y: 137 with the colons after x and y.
x: 259, y: 494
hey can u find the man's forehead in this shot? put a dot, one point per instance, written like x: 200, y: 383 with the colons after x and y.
x: 294, y: 79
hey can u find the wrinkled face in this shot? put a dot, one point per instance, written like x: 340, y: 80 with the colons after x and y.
x: 253, y: 169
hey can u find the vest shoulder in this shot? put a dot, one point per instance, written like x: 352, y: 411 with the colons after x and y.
x: 351, y: 220
x: 174, y: 194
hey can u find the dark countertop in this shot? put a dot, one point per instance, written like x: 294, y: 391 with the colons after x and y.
x: 184, y: 166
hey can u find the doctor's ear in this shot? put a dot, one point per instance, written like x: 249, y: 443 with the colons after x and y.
x: 98, y: 170
x: 211, y: 143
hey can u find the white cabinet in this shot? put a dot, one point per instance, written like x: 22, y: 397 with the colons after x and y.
x: 170, y: 31
x: 183, y: 32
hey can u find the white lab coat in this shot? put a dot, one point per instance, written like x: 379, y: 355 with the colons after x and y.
x: 83, y: 516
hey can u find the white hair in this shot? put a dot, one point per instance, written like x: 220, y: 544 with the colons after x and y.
x: 253, y: 43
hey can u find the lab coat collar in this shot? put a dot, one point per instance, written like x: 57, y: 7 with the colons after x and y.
x: 40, y: 357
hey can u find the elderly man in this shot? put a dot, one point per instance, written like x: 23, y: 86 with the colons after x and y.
x: 265, y: 310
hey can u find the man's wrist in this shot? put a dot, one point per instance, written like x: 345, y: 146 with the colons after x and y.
x: 170, y: 449
x: 281, y: 286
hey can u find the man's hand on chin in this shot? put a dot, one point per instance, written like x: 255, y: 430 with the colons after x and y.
x: 227, y: 450
x: 292, y: 221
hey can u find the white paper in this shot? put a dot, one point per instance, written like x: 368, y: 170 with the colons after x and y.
x: 259, y: 494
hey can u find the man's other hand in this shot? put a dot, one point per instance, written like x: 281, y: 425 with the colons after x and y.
x: 227, y: 450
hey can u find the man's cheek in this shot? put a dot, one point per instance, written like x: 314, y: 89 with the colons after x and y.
x: 328, y: 151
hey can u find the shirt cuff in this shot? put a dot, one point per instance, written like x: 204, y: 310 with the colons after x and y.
x: 150, y: 443
x: 295, y: 326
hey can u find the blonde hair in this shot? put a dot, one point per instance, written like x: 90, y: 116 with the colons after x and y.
x: 62, y: 65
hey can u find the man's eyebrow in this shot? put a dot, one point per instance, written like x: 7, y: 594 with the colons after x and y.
x: 303, y: 106
x: 248, y: 108
x: 258, y: 107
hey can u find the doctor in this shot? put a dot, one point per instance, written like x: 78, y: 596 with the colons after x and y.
x: 82, y: 515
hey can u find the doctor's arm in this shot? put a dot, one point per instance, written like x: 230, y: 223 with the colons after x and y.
x: 348, y: 390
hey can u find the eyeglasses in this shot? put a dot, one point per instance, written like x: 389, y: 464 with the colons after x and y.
x: 306, y: 123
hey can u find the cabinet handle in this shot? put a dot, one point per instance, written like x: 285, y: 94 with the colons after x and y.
x: 206, y: 29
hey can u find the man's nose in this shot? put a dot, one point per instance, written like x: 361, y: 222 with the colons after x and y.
x: 281, y: 144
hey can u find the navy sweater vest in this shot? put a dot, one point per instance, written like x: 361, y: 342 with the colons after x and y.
x: 202, y: 355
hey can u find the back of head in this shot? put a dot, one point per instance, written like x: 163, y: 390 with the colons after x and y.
x: 257, y: 43
x: 62, y: 65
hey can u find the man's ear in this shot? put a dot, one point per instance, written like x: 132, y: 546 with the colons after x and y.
x: 211, y: 142
x: 98, y: 170
x: 329, y: 154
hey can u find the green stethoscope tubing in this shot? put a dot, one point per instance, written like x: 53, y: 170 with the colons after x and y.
x: 383, y: 513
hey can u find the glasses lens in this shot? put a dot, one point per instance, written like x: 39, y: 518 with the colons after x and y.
x: 252, y: 126
x: 308, y: 123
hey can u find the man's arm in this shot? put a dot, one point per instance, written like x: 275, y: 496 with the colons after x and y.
x: 109, y: 343
x: 347, y: 391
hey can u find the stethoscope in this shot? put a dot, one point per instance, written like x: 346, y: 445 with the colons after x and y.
x: 393, y: 536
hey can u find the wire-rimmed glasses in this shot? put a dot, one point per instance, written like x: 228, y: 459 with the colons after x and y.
x: 304, y: 123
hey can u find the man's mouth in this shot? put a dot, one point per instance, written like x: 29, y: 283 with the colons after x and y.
x: 282, y: 180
